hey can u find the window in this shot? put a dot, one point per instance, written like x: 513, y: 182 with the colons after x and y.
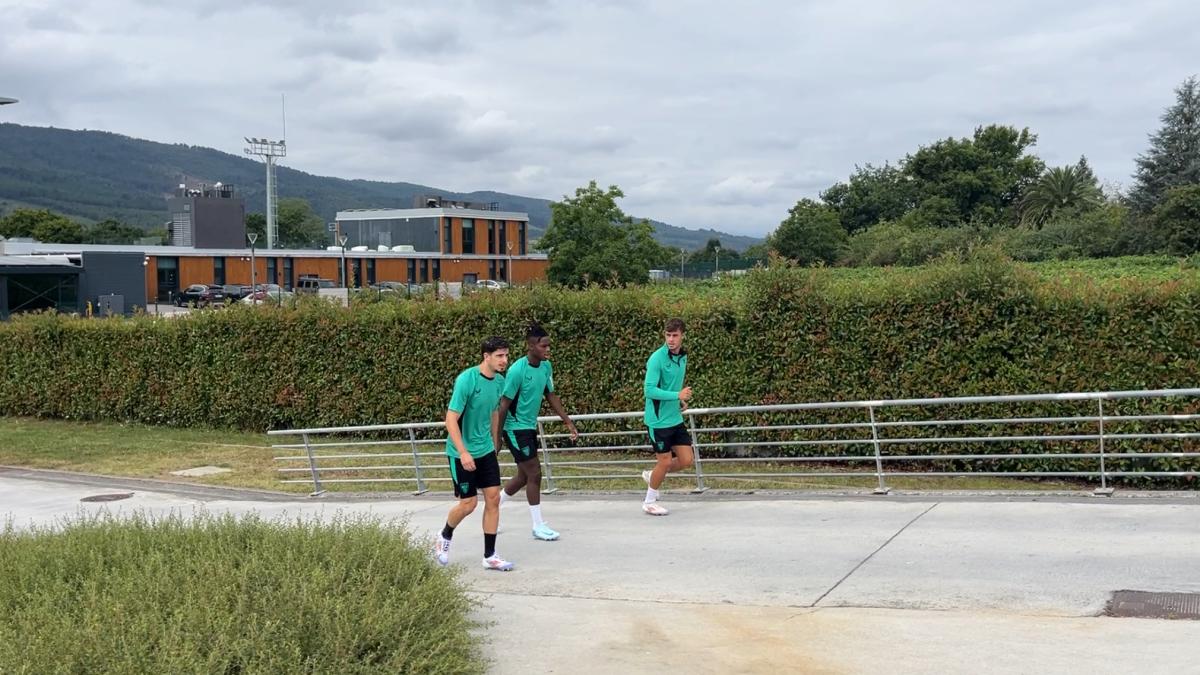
x: 504, y: 238
x: 370, y: 271
x: 491, y: 236
x: 503, y: 271
x: 272, y: 270
x: 437, y: 269
x: 219, y: 271
x: 447, y: 236
x: 521, y: 236
x: 468, y: 235
x: 412, y: 271
x: 425, y: 271
x: 287, y: 274
x: 491, y: 269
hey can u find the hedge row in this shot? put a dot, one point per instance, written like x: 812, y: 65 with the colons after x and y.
x: 785, y: 335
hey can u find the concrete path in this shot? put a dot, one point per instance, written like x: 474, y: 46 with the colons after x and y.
x: 912, y: 585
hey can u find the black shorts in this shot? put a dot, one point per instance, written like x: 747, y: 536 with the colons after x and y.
x: 523, y: 443
x: 468, y: 483
x: 669, y: 437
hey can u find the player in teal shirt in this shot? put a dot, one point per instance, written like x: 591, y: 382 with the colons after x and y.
x: 472, y: 422
x: 666, y: 399
x: 528, y: 381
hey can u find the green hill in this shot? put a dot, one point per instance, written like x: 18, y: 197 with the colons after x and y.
x: 92, y: 175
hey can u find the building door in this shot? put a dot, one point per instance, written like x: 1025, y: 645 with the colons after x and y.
x: 168, y: 278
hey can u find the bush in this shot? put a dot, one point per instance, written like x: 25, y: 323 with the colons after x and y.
x: 223, y: 595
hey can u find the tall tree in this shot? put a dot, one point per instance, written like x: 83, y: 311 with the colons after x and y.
x: 111, y: 231
x: 299, y: 226
x: 982, y: 176
x: 713, y: 250
x: 1061, y: 190
x: 257, y: 223
x: 811, y: 233
x: 590, y: 240
x: 1178, y: 218
x: 872, y: 195
x: 1174, y: 155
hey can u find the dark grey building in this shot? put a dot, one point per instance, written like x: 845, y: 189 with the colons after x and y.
x: 115, y: 283
x: 207, y: 217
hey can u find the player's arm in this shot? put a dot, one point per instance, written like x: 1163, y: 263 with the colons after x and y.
x: 557, y: 406
x: 501, y: 411
x: 456, y: 438
x: 650, y: 385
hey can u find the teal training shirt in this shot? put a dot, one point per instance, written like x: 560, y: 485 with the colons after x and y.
x: 664, y: 381
x: 526, y: 386
x: 475, y: 399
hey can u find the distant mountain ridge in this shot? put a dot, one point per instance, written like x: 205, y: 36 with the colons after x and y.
x: 98, y: 174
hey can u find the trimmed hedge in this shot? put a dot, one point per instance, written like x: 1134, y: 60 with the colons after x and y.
x: 984, y: 326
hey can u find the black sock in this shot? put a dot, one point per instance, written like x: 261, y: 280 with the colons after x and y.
x: 447, y: 531
x: 489, y: 545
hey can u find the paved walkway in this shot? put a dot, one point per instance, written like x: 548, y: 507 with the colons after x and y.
x: 909, y: 585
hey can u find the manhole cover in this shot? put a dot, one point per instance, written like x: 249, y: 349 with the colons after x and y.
x: 108, y: 498
x: 1145, y: 605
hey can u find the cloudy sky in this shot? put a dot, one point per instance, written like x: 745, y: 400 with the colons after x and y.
x: 707, y: 114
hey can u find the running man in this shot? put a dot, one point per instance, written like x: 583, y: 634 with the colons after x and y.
x: 472, y: 422
x: 529, y: 380
x: 666, y: 399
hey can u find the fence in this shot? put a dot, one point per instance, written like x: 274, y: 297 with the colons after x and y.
x: 1148, y: 434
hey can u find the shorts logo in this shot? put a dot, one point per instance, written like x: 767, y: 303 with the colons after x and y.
x: 525, y: 451
x: 463, y: 487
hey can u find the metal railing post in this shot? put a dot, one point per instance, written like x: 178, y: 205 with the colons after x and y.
x: 700, y: 487
x: 312, y: 465
x: 882, y: 489
x: 550, y: 487
x: 421, y: 487
x: 1103, y: 490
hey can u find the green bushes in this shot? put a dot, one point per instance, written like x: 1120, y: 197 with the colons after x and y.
x: 985, y: 326
x: 223, y: 595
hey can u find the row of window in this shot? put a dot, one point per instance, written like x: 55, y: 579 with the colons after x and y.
x: 497, y: 237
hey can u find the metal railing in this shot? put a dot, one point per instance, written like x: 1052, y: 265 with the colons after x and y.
x: 889, y: 432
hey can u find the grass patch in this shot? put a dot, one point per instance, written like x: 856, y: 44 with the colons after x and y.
x: 228, y: 595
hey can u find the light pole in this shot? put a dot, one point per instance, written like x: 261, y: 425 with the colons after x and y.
x: 717, y: 259
x: 269, y: 151
x: 342, y: 272
x: 682, y: 254
x: 508, y: 270
x: 253, y: 237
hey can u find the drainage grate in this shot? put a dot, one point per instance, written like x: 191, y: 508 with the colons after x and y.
x: 1146, y: 605
x: 108, y: 498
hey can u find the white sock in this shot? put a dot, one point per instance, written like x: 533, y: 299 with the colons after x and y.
x: 651, y: 496
x: 503, y: 497
x: 535, y: 512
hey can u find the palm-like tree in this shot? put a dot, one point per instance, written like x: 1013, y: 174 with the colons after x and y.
x: 1064, y: 188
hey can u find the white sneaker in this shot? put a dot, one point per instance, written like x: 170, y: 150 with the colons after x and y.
x: 646, y: 477
x: 441, y: 550
x: 497, y: 563
x: 653, y: 509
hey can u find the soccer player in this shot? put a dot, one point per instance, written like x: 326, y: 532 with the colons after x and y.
x: 472, y: 422
x: 666, y: 399
x: 529, y: 380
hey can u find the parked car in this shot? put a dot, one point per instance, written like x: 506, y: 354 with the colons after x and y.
x: 313, y: 284
x: 200, y: 295
x: 235, y: 292
x: 491, y: 285
x: 398, y: 287
x: 268, y: 297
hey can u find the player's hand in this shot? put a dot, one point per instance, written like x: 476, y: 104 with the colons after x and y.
x: 467, y: 461
x: 573, y: 430
x: 683, y: 406
x: 685, y: 394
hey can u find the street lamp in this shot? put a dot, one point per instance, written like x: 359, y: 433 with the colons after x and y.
x: 717, y: 259
x: 508, y: 270
x: 342, y: 272
x: 682, y: 253
x: 253, y: 237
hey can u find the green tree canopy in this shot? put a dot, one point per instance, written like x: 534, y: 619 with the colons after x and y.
x: 1174, y: 155
x: 590, y: 240
x: 811, y: 233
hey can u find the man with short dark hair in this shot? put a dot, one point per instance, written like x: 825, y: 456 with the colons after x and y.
x: 529, y: 380
x: 472, y: 421
x: 666, y: 399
